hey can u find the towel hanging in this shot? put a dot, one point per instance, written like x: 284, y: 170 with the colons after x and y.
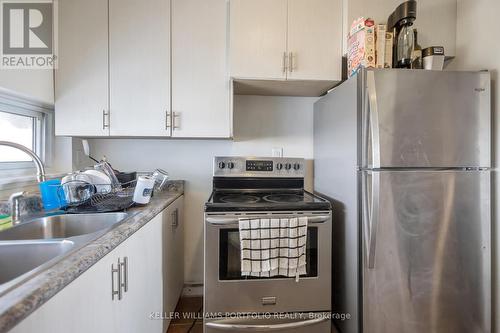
x: 273, y: 247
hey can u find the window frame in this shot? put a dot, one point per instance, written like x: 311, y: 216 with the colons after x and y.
x: 43, y: 115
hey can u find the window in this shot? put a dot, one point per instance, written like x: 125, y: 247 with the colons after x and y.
x: 26, y: 123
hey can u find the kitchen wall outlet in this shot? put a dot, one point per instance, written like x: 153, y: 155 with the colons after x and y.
x: 277, y: 152
x: 191, y: 290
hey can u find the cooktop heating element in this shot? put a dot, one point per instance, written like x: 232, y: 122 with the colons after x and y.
x: 239, y: 198
x: 284, y: 197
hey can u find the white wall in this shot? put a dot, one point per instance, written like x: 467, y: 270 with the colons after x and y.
x: 35, y: 83
x: 478, y: 48
x: 261, y: 123
x: 436, y: 19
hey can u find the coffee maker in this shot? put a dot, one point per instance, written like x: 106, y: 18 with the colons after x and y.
x: 401, y: 23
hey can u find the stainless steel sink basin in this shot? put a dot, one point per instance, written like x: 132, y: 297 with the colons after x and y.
x: 20, y: 257
x: 62, y: 226
x: 35, y: 245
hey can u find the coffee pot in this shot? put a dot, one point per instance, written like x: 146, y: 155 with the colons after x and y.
x: 401, y: 23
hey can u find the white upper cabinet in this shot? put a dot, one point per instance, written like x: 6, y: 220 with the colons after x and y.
x: 151, y: 68
x: 81, y: 84
x: 200, y: 83
x: 315, y: 39
x: 292, y: 40
x: 139, y: 67
x: 258, y: 38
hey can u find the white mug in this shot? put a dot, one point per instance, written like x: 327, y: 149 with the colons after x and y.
x: 143, y: 189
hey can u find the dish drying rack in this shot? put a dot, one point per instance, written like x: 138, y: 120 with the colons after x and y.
x: 120, y: 197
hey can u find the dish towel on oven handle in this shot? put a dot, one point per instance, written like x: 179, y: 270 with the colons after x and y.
x: 272, y: 247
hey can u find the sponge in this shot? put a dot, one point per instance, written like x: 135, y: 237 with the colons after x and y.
x: 5, y: 222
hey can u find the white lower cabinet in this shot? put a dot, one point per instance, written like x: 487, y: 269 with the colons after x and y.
x: 145, y: 274
x: 141, y: 280
x: 85, y: 305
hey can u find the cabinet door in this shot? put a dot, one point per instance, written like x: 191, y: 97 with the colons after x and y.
x: 85, y: 305
x: 81, y: 82
x: 258, y: 33
x: 143, y: 281
x: 315, y: 39
x: 200, y: 82
x: 173, y: 250
x: 139, y: 59
x: 178, y: 241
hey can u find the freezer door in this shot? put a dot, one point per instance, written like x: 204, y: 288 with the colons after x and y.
x: 418, y: 118
x: 426, y: 251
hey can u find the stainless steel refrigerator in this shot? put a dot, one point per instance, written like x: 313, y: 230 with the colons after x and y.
x: 405, y: 157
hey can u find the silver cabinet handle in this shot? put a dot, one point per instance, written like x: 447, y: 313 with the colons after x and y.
x: 104, y: 116
x: 175, y: 218
x: 235, y: 220
x: 374, y: 123
x: 370, y: 216
x: 285, y: 62
x: 124, y: 267
x: 174, y: 116
x: 292, y: 64
x: 266, y: 327
x: 168, y: 120
x: 116, y: 271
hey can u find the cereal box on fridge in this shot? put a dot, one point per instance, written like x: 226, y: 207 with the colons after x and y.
x: 361, y: 46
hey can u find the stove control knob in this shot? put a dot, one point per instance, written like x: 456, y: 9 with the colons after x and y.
x: 222, y: 165
x: 230, y: 165
x: 288, y: 166
x: 296, y: 166
x: 279, y: 166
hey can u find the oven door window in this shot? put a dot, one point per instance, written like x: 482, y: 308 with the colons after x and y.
x: 229, y: 255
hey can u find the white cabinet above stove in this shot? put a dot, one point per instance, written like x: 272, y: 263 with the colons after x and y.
x: 285, y: 47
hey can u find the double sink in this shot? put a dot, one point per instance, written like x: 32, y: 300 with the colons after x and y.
x: 32, y: 246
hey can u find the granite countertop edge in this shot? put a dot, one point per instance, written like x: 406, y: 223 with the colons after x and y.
x: 23, y: 299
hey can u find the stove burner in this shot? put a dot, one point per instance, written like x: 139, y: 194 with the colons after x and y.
x: 284, y: 198
x: 239, y: 198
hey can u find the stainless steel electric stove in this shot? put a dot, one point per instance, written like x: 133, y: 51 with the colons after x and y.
x: 264, y: 187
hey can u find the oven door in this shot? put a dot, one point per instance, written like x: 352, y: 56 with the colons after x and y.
x: 226, y: 290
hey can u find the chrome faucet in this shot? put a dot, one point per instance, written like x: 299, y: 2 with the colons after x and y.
x: 40, y: 169
x: 15, y: 206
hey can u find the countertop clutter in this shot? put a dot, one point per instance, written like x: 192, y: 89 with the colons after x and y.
x: 21, y: 300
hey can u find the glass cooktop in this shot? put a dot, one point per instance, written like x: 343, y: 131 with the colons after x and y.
x: 248, y: 201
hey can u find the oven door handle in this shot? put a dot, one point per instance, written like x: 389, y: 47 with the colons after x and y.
x: 233, y: 220
x: 268, y: 327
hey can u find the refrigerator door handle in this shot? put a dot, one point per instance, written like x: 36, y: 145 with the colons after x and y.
x: 370, y: 216
x: 366, y: 213
x: 373, y: 118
